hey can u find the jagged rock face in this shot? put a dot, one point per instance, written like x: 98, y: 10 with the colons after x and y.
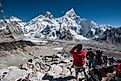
x: 49, y: 27
x: 68, y: 27
x: 112, y: 35
x: 11, y: 27
x: 42, y: 26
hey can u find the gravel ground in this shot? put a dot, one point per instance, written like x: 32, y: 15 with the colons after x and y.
x: 14, y: 54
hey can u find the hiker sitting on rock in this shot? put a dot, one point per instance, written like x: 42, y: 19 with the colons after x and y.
x: 78, y: 55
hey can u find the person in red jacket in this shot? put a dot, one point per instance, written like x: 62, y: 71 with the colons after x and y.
x: 118, y: 70
x: 79, y: 56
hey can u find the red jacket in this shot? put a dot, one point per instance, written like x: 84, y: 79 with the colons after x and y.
x: 118, y: 70
x: 78, y: 57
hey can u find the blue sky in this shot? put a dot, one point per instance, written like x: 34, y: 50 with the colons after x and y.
x: 101, y: 11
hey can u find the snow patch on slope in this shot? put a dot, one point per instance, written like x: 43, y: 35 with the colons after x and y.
x: 79, y: 37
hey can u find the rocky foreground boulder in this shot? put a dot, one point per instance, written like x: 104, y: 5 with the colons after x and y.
x: 43, y: 68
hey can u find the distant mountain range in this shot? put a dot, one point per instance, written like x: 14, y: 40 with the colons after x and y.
x: 68, y: 27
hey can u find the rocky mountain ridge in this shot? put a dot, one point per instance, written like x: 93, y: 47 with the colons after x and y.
x: 68, y: 27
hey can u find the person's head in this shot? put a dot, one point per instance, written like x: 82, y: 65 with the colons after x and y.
x: 79, y: 47
x: 99, y: 53
x: 89, y: 49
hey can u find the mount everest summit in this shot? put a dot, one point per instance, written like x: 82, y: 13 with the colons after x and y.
x: 68, y: 27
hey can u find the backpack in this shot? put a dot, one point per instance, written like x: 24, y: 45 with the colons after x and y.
x: 118, y: 70
x: 100, y: 61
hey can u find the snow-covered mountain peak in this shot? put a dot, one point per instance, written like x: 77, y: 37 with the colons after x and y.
x: 93, y: 22
x: 71, y: 13
x: 13, y: 18
x: 48, y: 15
